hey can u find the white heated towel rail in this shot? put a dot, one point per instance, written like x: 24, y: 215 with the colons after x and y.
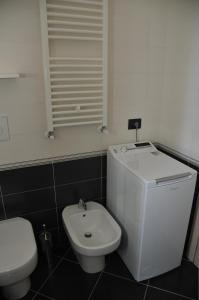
x: 75, y: 45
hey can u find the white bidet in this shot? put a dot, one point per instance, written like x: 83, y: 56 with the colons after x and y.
x: 93, y: 233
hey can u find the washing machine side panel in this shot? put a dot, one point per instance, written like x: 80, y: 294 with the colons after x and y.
x: 167, y: 215
x: 130, y: 249
x: 125, y: 200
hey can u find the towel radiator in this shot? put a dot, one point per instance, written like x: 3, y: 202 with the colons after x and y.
x: 75, y: 52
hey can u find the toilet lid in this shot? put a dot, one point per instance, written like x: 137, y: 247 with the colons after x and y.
x: 17, y: 243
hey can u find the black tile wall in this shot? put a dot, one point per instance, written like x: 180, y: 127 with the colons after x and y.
x: 104, y: 165
x: 49, y: 217
x: 104, y: 187
x: 28, y: 202
x: 39, y: 193
x: 77, y: 170
x: 1, y: 209
x: 71, y: 193
x: 24, y: 179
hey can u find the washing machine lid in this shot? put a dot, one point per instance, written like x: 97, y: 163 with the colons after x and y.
x: 17, y: 244
x: 151, y: 165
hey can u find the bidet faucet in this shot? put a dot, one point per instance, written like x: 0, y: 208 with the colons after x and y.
x: 82, y: 204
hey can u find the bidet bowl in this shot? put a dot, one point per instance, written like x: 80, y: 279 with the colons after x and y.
x: 93, y: 233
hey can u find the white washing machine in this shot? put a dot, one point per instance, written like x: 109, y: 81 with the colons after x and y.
x: 150, y: 194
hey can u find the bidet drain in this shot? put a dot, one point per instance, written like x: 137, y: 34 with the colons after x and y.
x: 88, y: 234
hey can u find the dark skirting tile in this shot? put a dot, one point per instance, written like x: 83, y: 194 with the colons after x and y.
x: 23, y: 179
x: 2, y: 216
x: 104, y: 165
x: 77, y: 170
x: 183, y: 280
x: 37, y: 219
x: 71, y: 193
x: 110, y: 287
x: 103, y: 187
x: 28, y: 202
x: 102, y: 201
x: 115, y: 265
x: 69, y: 281
x: 155, y: 294
x: 191, y: 220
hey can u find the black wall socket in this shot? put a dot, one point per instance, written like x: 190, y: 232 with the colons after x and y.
x: 134, y: 123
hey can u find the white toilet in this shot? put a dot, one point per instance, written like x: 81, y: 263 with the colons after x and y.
x: 93, y: 233
x: 18, y: 257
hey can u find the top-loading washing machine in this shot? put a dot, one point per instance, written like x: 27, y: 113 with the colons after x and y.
x: 150, y: 194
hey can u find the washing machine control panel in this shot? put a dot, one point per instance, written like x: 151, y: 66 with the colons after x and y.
x: 133, y: 147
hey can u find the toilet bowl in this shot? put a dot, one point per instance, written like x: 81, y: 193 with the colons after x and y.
x: 18, y: 257
x: 93, y: 233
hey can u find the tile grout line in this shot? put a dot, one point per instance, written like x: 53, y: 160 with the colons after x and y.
x: 148, y: 285
x: 52, y: 186
x: 125, y: 278
x: 55, y: 194
x: 48, y: 187
x: 43, y: 295
x: 79, y: 181
x: 37, y: 211
x: 2, y: 201
x: 51, y: 273
x: 71, y: 261
x: 170, y: 292
x: 95, y: 285
x: 145, y: 293
x: 146, y: 290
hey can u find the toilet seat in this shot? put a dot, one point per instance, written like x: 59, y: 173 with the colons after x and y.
x: 18, y: 250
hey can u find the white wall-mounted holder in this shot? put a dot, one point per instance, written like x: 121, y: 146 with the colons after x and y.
x: 9, y: 75
x: 75, y: 53
x: 102, y: 129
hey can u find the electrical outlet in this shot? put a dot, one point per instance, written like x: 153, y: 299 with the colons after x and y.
x: 134, y: 123
x: 4, y: 129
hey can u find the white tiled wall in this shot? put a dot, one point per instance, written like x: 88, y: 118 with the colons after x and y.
x: 153, y: 74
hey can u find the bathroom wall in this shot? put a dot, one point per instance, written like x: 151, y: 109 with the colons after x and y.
x: 39, y: 193
x: 178, y: 123
x: 134, y: 81
x: 153, y: 74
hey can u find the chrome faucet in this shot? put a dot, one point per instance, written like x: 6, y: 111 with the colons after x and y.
x: 82, y: 204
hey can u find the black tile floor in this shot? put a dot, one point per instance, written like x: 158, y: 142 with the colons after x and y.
x: 67, y: 281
